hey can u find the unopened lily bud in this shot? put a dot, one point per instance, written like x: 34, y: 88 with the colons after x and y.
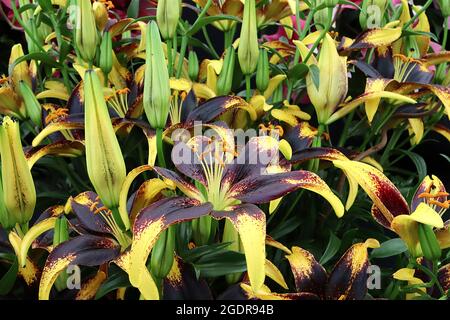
x: 21, y: 71
x: 156, y: 83
x: 193, y: 66
x: 248, y: 50
x: 32, y: 105
x: 321, y: 17
x: 86, y: 37
x: 162, y: 253
x: 19, y: 194
x: 100, y: 14
x: 167, y: 16
x: 262, y: 71
x: 445, y: 7
x: 106, y: 59
x: 371, y: 13
x: 105, y: 163
x: 225, y: 80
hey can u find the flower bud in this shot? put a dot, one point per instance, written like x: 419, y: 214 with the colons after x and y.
x: 262, y: 71
x: 162, y: 253
x: 248, y: 50
x: 156, y: 83
x: 86, y: 31
x: 21, y: 71
x: 167, y: 16
x: 428, y: 242
x: 193, y: 66
x: 32, y: 105
x: 225, y: 80
x: 100, y: 15
x: 106, y: 59
x: 105, y: 163
x: 445, y: 8
x: 19, y: 194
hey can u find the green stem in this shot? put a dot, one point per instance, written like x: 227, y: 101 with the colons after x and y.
x: 160, y: 148
x: 322, y: 34
x: 169, y: 57
x: 184, y: 42
x: 247, y: 87
x: 209, y: 43
x: 317, y: 142
x: 344, y: 134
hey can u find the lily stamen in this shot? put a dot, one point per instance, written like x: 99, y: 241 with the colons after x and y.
x: 119, y: 101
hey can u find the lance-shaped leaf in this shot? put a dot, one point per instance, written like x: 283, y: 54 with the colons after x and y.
x: 250, y: 223
x: 87, y: 250
x: 181, y: 283
x: 309, y: 275
x: 149, y: 224
x: 348, y: 279
x: 63, y: 148
x: 104, y: 160
x: 386, y: 197
x: 264, y: 188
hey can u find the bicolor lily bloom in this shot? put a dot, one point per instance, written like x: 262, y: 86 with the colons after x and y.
x: 232, y: 185
x: 346, y: 281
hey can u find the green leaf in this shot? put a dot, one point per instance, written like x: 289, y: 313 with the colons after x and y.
x: 315, y: 74
x: 227, y: 262
x: 407, y: 33
x: 39, y: 56
x: 9, y: 278
x: 116, y: 279
x: 334, y: 243
x: 418, y: 161
x: 133, y: 9
x: 389, y: 248
x: 207, y: 20
x: 297, y: 72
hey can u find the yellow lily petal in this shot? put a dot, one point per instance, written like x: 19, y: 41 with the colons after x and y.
x: 275, y: 274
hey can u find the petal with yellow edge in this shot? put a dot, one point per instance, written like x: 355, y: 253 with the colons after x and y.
x: 63, y: 148
x: 86, y: 250
x: 250, y: 223
x: 309, y: 275
x: 348, y: 279
x: 149, y: 224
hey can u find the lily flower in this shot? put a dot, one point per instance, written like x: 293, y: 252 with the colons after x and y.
x: 232, y: 185
x: 346, y: 281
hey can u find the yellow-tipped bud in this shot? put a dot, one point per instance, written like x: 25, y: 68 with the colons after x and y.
x: 167, y: 16
x: 19, y: 194
x: 86, y: 37
x: 248, y: 51
x: 327, y: 90
x: 105, y: 163
x: 21, y: 71
x: 100, y: 14
x: 156, y: 83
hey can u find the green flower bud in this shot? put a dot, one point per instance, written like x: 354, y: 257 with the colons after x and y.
x: 248, y: 50
x: 156, y: 83
x: 105, y: 163
x: 193, y: 66
x: 263, y: 71
x: 225, y: 80
x: 167, y: 16
x: 19, y: 194
x: 86, y: 37
x: 445, y: 7
x: 162, y: 253
x: 32, y: 105
x: 106, y: 54
x: 428, y: 242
